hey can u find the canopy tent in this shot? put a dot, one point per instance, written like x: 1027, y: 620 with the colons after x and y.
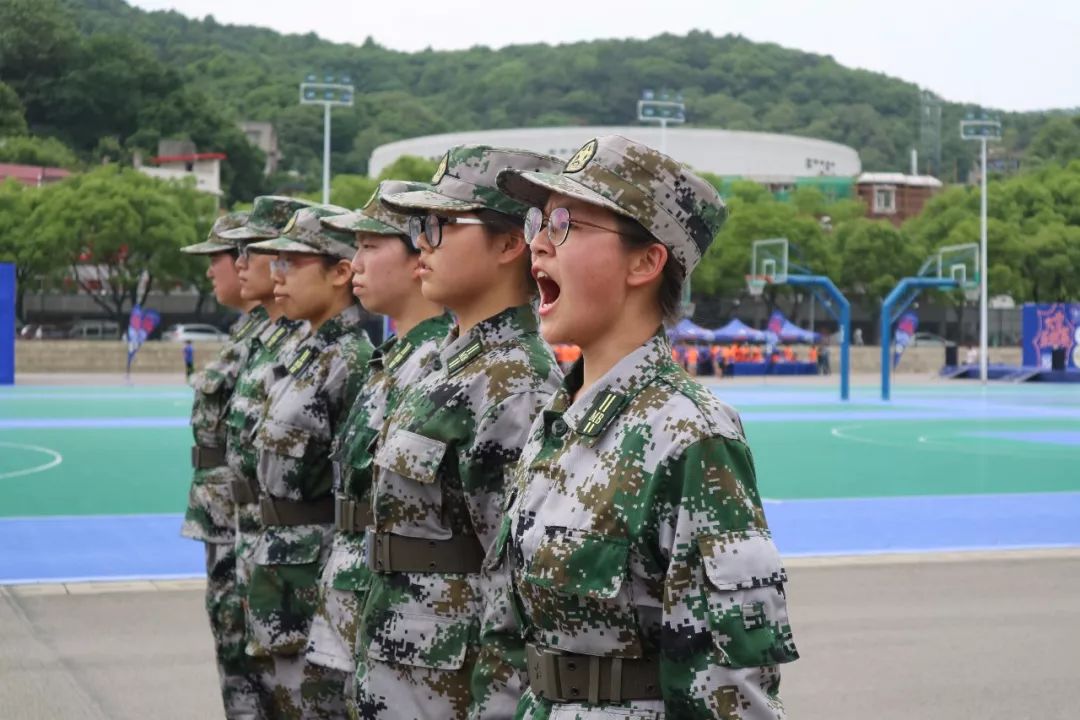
x: 687, y: 331
x: 737, y: 331
x: 792, y: 333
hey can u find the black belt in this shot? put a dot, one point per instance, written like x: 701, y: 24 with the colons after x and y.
x: 244, y: 492
x: 352, y: 516
x: 569, y: 677
x: 288, y: 512
x: 398, y: 553
x: 203, y: 458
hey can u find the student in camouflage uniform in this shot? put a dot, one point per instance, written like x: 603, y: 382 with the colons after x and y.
x: 441, y: 458
x: 308, y: 404
x: 209, y: 516
x: 386, y: 281
x: 277, y: 338
x: 644, y: 575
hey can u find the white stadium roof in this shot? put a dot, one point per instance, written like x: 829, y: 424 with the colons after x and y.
x: 764, y: 157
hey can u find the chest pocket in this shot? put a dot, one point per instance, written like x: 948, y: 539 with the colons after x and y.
x: 411, y: 456
x: 408, y: 497
x: 283, y: 439
x: 572, y: 590
x: 746, y: 603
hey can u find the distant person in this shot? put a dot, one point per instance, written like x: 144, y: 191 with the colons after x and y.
x: 189, y: 360
x: 971, y: 356
x: 857, y: 336
x: 824, y: 368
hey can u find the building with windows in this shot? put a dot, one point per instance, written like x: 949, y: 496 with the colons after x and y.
x: 895, y: 196
x: 263, y: 136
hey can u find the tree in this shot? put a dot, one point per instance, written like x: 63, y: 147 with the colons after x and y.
x: 1058, y: 140
x: 47, y: 152
x: 119, y: 232
x: 12, y: 113
x: 31, y: 259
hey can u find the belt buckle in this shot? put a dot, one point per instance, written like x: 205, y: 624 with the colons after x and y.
x: 195, y: 456
x: 543, y: 672
x: 268, y: 511
x: 378, y: 552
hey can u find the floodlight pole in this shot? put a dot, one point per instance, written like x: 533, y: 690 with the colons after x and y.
x: 328, y: 94
x: 326, y: 155
x: 984, y: 359
x: 983, y: 129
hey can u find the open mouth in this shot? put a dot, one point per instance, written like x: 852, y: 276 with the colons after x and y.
x: 549, y: 291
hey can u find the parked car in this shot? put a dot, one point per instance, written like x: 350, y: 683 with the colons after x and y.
x: 94, y: 330
x: 194, y: 333
x: 37, y: 331
x: 926, y: 339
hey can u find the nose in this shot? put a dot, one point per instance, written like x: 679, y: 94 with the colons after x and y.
x: 541, y: 246
x: 241, y: 262
x: 357, y: 265
x: 210, y: 272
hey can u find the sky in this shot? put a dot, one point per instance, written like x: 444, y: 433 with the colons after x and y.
x: 1003, y: 55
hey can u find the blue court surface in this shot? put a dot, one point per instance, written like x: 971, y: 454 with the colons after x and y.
x: 93, y: 480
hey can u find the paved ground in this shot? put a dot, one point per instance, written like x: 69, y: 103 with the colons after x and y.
x: 960, y: 636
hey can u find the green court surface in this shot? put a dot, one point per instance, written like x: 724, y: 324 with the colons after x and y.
x: 125, y: 450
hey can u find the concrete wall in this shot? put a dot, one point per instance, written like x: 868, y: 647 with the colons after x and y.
x: 71, y: 356
x: 106, y: 356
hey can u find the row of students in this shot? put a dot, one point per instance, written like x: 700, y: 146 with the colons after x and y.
x: 446, y: 526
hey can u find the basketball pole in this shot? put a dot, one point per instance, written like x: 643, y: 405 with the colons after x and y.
x: 984, y: 359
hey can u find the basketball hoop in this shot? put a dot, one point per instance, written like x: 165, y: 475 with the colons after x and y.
x: 755, y: 284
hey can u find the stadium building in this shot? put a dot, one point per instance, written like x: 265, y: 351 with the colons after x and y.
x: 780, y: 162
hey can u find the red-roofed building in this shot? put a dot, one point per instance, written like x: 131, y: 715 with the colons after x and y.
x: 32, y: 175
x: 177, y: 159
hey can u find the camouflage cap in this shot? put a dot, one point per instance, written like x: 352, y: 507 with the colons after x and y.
x: 467, y: 180
x: 678, y: 208
x: 214, y: 242
x: 268, y: 216
x: 305, y: 233
x: 375, y: 217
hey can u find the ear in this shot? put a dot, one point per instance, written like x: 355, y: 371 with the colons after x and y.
x: 510, y: 247
x: 646, y: 265
x: 341, y: 273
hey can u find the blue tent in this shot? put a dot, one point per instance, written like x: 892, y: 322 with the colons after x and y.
x: 686, y: 331
x: 792, y: 333
x: 738, y: 331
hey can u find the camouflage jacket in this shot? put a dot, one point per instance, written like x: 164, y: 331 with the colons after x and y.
x: 308, y: 404
x: 248, y: 404
x: 440, y: 471
x: 634, y: 529
x: 209, y: 515
x: 394, y: 366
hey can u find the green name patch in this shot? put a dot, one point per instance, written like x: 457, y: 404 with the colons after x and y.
x: 464, y: 357
x: 604, y: 408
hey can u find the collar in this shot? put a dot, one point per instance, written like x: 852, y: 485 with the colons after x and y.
x: 345, y: 321
x: 590, y: 415
x: 456, y: 352
x: 394, y: 351
x: 272, y: 335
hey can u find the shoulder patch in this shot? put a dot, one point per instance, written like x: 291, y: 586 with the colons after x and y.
x: 276, y: 338
x: 581, y: 157
x: 402, y: 350
x: 463, y: 357
x: 246, y: 328
x: 301, y: 362
x: 604, y: 409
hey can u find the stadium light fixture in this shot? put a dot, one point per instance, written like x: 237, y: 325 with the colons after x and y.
x: 329, y: 91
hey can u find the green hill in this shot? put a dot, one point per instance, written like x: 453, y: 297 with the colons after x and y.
x: 231, y: 72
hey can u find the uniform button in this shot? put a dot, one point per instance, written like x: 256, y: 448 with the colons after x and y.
x: 559, y: 428
x: 437, y: 364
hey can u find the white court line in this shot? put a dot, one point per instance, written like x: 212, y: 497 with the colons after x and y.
x: 56, y: 459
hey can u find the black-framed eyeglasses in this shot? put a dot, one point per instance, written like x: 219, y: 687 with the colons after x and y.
x: 431, y: 225
x: 558, y: 225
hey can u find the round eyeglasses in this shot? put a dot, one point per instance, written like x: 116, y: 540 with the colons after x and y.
x: 431, y: 225
x: 558, y: 225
